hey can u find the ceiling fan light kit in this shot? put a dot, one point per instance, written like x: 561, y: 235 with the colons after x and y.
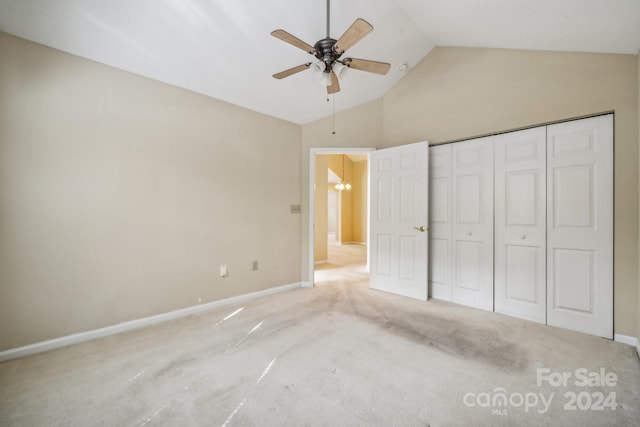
x: 318, y: 67
x: 339, y: 69
x: 325, y: 79
x: 328, y: 53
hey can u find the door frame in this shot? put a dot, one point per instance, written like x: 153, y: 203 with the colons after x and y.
x: 313, y: 151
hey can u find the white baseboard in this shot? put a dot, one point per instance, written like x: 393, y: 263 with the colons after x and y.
x: 43, y: 346
x: 306, y: 284
x: 626, y: 339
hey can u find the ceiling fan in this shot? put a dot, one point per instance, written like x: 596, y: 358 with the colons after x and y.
x: 329, y: 52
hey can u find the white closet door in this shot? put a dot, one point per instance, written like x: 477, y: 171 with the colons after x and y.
x: 399, y: 219
x: 580, y: 225
x: 440, y: 228
x: 472, y: 273
x: 520, y: 224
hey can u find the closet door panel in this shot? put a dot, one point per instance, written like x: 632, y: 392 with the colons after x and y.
x: 472, y: 236
x: 520, y: 224
x: 440, y: 222
x: 580, y: 225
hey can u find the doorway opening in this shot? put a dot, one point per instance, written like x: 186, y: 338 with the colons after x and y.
x: 339, y: 215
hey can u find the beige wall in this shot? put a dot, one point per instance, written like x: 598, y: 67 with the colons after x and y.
x: 458, y: 93
x: 342, y: 166
x: 120, y: 196
x: 320, y: 205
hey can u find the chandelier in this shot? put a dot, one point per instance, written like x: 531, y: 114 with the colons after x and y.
x: 343, y: 184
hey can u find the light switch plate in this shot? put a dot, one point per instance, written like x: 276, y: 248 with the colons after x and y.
x: 296, y: 209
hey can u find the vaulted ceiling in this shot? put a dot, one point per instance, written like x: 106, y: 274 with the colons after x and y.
x: 223, y: 48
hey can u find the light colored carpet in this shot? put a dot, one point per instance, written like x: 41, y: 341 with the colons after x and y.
x: 337, y: 354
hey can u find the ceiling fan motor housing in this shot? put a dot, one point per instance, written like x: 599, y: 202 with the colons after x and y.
x: 326, y: 53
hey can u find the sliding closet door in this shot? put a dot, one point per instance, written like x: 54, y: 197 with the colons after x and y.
x: 472, y: 258
x: 440, y: 222
x: 520, y: 224
x: 580, y: 225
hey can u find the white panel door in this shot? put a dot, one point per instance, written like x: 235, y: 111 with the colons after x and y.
x: 399, y: 220
x: 472, y: 251
x: 580, y: 225
x: 520, y: 224
x: 440, y: 227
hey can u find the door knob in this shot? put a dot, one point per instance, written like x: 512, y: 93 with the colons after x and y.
x: 420, y: 229
x: 469, y: 233
x: 523, y: 236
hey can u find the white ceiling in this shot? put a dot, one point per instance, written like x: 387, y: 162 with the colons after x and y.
x: 223, y: 48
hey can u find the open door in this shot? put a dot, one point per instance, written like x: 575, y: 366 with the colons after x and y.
x: 399, y: 218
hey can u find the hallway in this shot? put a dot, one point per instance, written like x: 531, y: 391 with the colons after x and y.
x: 346, y: 265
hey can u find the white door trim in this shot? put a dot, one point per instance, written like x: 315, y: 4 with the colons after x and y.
x: 312, y: 179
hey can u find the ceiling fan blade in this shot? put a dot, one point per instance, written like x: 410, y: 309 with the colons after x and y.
x: 290, y: 71
x: 354, y: 33
x: 366, y: 65
x: 335, y: 84
x: 293, y: 40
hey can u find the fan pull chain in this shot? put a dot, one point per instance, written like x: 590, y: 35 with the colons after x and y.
x: 334, y: 115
